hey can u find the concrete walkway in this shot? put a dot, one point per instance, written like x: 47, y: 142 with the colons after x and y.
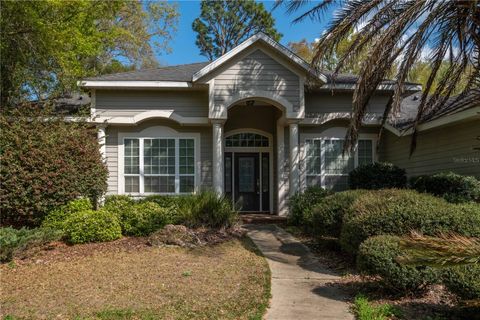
x: 300, y: 288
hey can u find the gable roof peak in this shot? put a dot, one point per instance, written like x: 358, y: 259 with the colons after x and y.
x: 259, y: 36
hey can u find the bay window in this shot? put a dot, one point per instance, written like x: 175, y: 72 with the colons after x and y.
x: 326, y: 166
x: 159, y: 165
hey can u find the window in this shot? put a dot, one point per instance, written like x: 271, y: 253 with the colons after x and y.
x: 159, y: 165
x: 246, y: 140
x: 326, y: 165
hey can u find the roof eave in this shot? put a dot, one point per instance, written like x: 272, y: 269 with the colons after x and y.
x: 113, y: 84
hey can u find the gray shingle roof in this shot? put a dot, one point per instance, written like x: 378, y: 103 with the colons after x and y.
x: 185, y: 72
x: 405, y: 118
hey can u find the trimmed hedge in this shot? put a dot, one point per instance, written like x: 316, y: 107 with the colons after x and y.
x: 376, y: 257
x: 451, y: 186
x: 464, y: 281
x: 46, y: 164
x: 301, y: 204
x: 92, y: 226
x: 398, y: 212
x: 15, y: 241
x: 378, y: 175
x: 327, y: 215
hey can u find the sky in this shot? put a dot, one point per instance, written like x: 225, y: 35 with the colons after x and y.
x: 183, y: 45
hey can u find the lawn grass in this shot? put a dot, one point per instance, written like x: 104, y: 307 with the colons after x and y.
x: 226, y: 281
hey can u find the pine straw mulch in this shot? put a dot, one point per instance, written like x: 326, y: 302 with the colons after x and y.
x: 434, y: 304
x: 130, y: 279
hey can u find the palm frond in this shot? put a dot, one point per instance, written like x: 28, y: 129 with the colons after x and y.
x: 445, y: 250
x: 399, y: 31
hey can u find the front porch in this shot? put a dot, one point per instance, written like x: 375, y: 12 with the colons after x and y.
x: 253, y: 147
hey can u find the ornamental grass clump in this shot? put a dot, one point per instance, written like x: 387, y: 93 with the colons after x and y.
x: 207, y: 209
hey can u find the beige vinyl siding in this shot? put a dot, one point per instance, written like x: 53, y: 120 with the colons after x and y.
x: 257, y: 71
x: 112, y: 144
x: 318, y: 102
x: 127, y: 103
x: 448, y: 148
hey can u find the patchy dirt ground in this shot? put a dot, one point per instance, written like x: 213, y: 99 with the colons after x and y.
x: 128, y: 279
x: 435, y: 304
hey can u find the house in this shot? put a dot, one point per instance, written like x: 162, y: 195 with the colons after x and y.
x: 253, y: 126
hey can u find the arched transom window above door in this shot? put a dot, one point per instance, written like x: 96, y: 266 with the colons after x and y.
x: 247, y: 139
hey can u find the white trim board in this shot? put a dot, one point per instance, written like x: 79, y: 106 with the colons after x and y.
x: 112, y: 84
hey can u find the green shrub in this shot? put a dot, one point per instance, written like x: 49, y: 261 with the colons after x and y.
x: 301, y: 204
x: 207, y: 209
x: 118, y: 204
x: 378, y: 175
x: 464, y: 281
x: 141, y: 219
x: 398, y: 212
x: 451, y: 186
x: 376, y: 257
x: 56, y: 218
x: 163, y: 201
x: 15, y: 241
x: 327, y: 215
x: 46, y: 164
x: 92, y: 226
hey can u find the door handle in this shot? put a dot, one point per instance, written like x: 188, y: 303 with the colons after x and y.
x: 258, y: 186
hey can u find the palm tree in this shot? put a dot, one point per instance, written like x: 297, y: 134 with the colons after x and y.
x: 399, y: 31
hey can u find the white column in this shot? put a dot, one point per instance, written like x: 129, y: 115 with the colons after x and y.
x: 217, y: 165
x: 281, y: 181
x: 294, y: 159
x: 101, y: 136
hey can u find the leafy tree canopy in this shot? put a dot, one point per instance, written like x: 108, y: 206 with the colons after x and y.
x: 223, y: 25
x: 46, y: 46
x: 306, y: 50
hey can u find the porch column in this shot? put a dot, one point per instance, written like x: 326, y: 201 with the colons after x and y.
x: 281, y: 178
x: 294, y: 159
x: 101, y: 136
x: 217, y: 165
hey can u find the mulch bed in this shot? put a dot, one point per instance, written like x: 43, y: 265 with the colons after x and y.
x: 436, y: 303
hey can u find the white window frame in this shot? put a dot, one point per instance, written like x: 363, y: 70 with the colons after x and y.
x: 330, y: 134
x: 157, y: 132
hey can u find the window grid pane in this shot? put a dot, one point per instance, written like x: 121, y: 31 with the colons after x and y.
x: 132, y: 184
x: 246, y: 140
x: 160, y: 173
x: 365, y: 154
x: 159, y: 156
x: 335, y: 162
x: 132, y: 156
x: 187, y: 157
